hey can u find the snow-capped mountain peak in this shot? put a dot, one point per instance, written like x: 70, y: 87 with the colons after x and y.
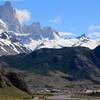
x: 83, y: 38
x: 8, y: 16
x: 10, y: 45
x: 16, y: 38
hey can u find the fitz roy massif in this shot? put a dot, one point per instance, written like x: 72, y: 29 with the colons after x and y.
x: 36, y: 59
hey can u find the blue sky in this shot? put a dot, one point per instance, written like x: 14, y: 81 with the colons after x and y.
x: 73, y: 16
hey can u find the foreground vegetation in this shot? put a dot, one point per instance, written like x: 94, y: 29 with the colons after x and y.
x: 13, y: 93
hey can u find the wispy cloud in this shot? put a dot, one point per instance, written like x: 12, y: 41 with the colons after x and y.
x: 94, y: 27
x: 23, y: 15
x: 94, y: 35
x: 56, y: 20
x: 66, y: 34
x: 94, y: 31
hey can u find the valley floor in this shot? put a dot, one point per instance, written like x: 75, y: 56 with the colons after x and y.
x: 62, y: 97
x: 72, y: 98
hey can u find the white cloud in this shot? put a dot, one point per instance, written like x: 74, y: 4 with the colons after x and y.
x: 94, y: 27
x: 56, y: 20
x: 23, y: 15
x: 94, y: 35
x: 66, y: 33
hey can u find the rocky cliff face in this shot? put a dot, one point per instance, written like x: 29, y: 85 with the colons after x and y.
x: 39, y: 33
x: 8, y: 15
x: 12, y: 77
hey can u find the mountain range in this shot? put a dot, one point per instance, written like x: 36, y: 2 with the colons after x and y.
x: 18, y: 38
x: 32, y: 57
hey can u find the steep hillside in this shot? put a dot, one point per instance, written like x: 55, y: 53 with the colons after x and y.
x: 12, y: 85
x: 79, y: 62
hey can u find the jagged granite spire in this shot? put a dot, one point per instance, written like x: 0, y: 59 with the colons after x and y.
x: 8, y: 15
x: 8, y: 3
